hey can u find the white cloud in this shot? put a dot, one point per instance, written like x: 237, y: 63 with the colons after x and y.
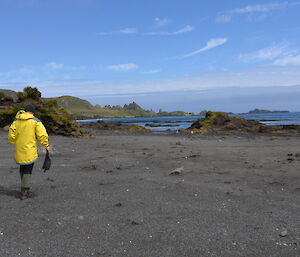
x: 288, y: 60
x: 261, y: 9
x: 186, y: 29
x: 256, y: 77
x: 121, y: 31
x: 128, y: 31
x: 152, y: 71
x: 26, y: 70
x: 55, y: 66
x: 269, y: 53
x: 77, y: 68
x: 209, y: 45
x: 123, y: 67
x: 223, y: 18
x: 161, y: 22
x: 105, y: 33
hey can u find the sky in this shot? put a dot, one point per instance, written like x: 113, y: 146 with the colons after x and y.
x: 177, y: 55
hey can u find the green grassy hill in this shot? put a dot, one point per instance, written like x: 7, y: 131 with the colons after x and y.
x: 73, y: 104
x: 80, y: 108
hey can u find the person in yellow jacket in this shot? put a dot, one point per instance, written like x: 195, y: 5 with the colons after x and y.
x: 23, y: 133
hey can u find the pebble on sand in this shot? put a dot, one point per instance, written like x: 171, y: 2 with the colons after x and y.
x: 283, y: 233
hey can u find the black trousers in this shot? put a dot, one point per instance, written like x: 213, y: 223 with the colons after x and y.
x: 26, y: 169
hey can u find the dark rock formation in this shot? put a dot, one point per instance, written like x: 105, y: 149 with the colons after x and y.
x: 220, y: 121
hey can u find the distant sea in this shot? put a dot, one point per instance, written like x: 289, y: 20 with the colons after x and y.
x: 180, y: 122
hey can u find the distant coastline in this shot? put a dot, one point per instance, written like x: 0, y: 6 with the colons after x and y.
x: 257, y: 111
x: 81, y: 109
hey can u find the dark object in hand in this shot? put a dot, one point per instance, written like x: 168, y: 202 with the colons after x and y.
x: 47, y: 162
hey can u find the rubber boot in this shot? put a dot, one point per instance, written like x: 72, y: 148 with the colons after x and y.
x: 24, y: 193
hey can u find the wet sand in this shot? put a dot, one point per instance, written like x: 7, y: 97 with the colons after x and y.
x: 142, y: 195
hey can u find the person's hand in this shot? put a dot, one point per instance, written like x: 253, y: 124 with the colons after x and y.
x: 50, y: 150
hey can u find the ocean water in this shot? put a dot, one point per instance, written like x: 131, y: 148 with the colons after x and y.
x: 180, y: 122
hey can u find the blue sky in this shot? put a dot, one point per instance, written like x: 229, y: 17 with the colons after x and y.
x: 158, y: 53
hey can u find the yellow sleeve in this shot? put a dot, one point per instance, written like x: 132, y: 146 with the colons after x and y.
x: 12, y: 133
x: 42, y: 135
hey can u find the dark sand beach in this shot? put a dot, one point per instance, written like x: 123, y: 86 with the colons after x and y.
x: 143, y: 195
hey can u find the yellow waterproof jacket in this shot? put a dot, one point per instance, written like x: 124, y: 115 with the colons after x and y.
x: 23, y: 133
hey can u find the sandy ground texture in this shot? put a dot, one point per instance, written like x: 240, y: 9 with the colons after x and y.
x: 155, y: 196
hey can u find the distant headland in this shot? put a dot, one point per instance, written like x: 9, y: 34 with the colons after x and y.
x: 257, y: 111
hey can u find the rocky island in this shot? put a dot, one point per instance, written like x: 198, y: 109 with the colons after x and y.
x: 257, y: 111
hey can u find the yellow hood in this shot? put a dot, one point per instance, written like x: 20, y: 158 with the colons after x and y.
x: 22, y: 115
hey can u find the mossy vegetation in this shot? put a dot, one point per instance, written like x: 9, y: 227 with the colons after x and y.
x: 137, y: 128
x: 7, y: 116
x: 29, y: 93
x: 174, y: 113
x: 220, y: 121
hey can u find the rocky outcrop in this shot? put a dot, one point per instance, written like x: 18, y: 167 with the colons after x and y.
x: 56, y: 120
x: 220, y: 121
